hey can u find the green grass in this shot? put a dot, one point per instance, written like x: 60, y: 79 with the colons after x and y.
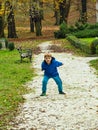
x: 94, y: 64
x: 13, y: 76
x: 87, y: 40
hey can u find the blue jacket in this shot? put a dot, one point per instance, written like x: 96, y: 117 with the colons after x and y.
x: 51, y: 69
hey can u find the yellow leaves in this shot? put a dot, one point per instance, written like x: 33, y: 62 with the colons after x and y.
x: 1, y: 9
x: 94, y: 0
x: 56, y: 4
x: 23, y: 1
x: 60, y: 1
x: 48, y: 1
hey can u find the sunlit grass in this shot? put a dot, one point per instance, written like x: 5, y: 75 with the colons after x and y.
x: 88, y: 40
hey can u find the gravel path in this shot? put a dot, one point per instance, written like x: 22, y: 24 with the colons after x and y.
x: 77, y: 110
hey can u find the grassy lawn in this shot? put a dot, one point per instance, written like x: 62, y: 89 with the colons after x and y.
x: 13, y: 75
x: 87, y: 40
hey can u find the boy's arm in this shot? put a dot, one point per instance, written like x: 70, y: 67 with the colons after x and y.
x: 42, y: 66
x: 58, y: 63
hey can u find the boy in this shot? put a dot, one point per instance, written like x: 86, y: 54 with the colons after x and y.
x: 49, y: 65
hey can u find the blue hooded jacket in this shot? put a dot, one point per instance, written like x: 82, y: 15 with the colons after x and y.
x: 51, y: 69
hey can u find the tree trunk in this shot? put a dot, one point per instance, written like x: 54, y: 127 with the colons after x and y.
x: 1, y: 27
x: 64, y: 10
x: 41, y: 11
x: 57, y: 17
x: 31, y: 12
x: 38, y: 16
x: 31, y: 24
x: 38, y: 27
x: 11, y: 25
x: 84, y: 11
x: 56, y: 12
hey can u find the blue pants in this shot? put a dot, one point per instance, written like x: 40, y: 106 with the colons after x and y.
x: 56, y: 79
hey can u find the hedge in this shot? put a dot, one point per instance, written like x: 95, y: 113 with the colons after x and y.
x: 86, y: 33
x: 79, y: 44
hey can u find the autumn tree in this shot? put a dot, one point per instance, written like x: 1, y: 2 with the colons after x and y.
x: 7, y: 18
x: 62, y: 8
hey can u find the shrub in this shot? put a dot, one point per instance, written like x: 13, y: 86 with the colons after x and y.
x: 94, y: 45
x: 86, y: 33
x: 62, y: 32
x: 0, y: 45
x: 80, y: 30
x: 72, y: 28
x: 92, y: 26
x: 11, y: 46
x: 97, y: 49
x: 80, y: 25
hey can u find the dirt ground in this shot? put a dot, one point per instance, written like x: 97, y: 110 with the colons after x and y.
x: 77, y: 110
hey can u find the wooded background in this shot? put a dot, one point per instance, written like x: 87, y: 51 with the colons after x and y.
x: 36, y: 15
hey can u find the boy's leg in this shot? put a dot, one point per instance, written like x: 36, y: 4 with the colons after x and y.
x: 44, y: 84
x: 59, y: 83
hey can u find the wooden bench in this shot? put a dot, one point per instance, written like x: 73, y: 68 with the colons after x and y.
x: 25, y: 53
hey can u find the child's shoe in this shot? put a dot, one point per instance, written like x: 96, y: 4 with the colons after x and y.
x: 43, y: 94
x: 61, y: 92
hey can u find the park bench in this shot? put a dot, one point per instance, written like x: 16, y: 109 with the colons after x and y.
x: 25, y: 53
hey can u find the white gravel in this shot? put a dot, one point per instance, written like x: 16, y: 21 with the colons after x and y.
x: 78, y: 110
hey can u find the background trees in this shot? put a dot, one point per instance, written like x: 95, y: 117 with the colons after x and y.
x: 7, y: 18
x: 69, y: 11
